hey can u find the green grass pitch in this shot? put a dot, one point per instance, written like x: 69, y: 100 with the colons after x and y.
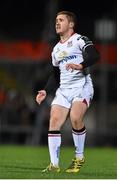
x: 27, y: 162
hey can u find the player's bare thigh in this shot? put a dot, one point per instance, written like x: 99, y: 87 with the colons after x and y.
x: 58, y: 116
x: 77, y: 113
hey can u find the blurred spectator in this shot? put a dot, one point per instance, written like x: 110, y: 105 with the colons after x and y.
x: 16, y: 111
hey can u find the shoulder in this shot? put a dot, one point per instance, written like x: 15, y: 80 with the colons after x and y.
x: 75, y: 36
x: 84, y: 39
x: 56, y: 46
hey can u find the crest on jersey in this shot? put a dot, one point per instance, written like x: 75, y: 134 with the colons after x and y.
x: 62, y: 55
x: 69, y: 44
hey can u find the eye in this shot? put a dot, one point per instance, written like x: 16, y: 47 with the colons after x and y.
x: 61, y: 20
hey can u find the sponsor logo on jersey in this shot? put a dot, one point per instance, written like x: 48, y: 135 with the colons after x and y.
x: 62, y: 55
x: 69, y: 57
x: 66, y: 58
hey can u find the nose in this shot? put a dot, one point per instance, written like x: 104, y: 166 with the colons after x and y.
x: 57, y: 23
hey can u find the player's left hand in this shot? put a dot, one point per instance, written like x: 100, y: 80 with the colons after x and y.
x: 72, y: 66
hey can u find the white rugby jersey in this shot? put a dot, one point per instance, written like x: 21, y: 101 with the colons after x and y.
x: 71, y: 52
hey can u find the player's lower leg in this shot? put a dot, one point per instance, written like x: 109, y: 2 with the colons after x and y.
x: 79, y: 140
x: 54, y: 142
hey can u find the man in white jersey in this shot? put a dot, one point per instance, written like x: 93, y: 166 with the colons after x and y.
x: 70, y: 58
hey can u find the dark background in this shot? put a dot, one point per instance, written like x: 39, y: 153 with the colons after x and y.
x: 24, y: 19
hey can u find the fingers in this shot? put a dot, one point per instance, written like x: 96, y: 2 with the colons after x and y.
x: 70, y: 67
x: 40, y: 96
x: 73, y: 67
x: 38, y: 100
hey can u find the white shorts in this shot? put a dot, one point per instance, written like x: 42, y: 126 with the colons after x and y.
x: 65, y: 97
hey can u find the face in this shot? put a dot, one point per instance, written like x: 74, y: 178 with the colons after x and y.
x: 62, y: 24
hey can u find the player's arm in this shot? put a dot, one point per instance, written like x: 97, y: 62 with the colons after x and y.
x: 53, y: 81
x: 51, y: 86
x: 90, y: 56
x: 89, y: 53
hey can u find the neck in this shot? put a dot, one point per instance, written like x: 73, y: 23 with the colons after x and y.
x: 64, y: 37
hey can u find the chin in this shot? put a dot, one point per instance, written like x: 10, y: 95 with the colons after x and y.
x: 59, y: 32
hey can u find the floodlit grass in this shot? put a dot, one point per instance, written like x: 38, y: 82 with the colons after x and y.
x: 26, y: 162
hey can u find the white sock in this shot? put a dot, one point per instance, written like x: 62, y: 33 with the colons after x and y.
x: 79, y: 141
x: 54, y: 142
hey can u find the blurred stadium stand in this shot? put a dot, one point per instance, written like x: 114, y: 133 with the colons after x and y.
x: 27, y: 36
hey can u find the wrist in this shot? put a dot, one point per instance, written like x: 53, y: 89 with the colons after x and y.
x: 79, y: 66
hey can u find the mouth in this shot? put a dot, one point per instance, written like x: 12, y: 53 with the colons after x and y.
x: 58, y: 27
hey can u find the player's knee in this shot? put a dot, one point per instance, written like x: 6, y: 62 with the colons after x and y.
x: 75, y: 119
x: 54, y: 123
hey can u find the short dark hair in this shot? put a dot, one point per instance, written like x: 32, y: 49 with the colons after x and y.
x: 71, y: 17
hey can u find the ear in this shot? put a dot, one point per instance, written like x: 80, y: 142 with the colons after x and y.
x: 71, y: 24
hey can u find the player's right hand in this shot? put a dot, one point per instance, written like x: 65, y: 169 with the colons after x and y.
x: 72, y: 67
x: 40, y: 96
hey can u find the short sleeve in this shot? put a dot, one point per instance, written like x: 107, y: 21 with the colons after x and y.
x: 54, y: 61
x: 84, y: 41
